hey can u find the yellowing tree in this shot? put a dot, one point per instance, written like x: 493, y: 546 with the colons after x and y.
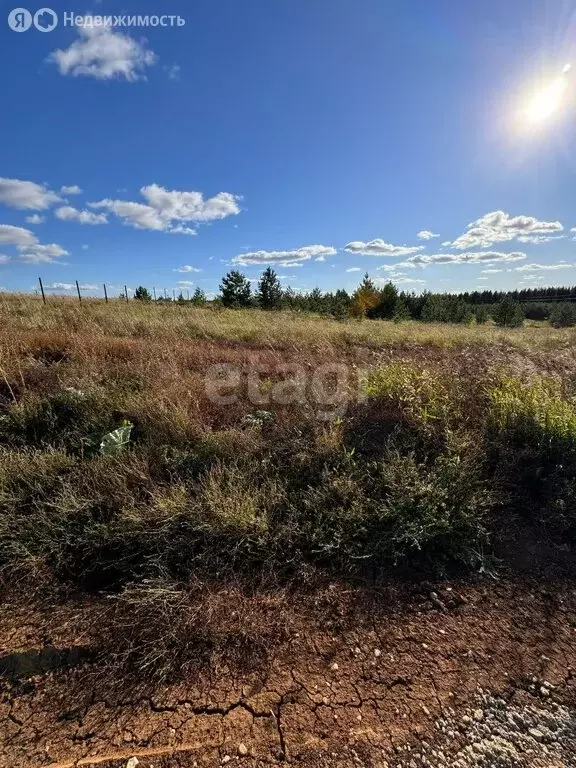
x: 364, y: 298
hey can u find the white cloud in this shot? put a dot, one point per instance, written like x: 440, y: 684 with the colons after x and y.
x: 68, y: 213
x: 446, y: 243
x: 398, y: 280
x: 482, y: 278
x: 4, y: 258
x: 41, y: 254
x: 426, y: 234
x: 540, y: 267
x: 35, y: 219
x: 164, y: 207
x: 136, y: 215
x: 104, y: 53
x: 61, y: 286
x: 285, y: 258
x: 354, y: 269
x: 74, y: 189
x: 187, y: 268
x: 10, y: 235
x: 532, y: 278
x: 492, y: 271
x: 537, y: 239
x: 172, y: 71
x: 473, y: 257
x: 497, y: 227
x: 71, y: 287
x: 26, y: 195
x: 401, y: 264
x: 380, y: 248
x: 185, y: 283
x: 179, y: 229
x: 190, y: 206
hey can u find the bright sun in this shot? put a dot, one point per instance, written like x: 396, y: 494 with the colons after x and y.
x: 546, y: 102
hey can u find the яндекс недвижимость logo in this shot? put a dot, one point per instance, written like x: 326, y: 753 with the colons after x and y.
x: 45, y: 20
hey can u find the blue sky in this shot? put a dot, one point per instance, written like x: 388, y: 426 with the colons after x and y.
x: 319, y: 137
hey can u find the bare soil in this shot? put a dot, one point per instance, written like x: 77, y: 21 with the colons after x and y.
x: 392, y: 676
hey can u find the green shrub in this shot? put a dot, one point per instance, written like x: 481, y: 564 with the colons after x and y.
x: 536, y: 409
x: 421, y: 391
x: 532, y: 441
x: 398, y: 510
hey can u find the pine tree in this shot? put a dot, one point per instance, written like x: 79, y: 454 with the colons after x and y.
x: 386, y: 303
x: 435, y: 309
x: 142, y: 294
x: 199, y: 298
x: 481, y: 314
x: 508, y: 314
x: 314, y: 300
x: 340, y: 305
x: 235, y: 290
x: 401, y: 311
x: 563, y: 315
x: 290, y: 299
x: 269, y: 290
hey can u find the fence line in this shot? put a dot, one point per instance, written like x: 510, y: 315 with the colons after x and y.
x: 125, y: 297
x: 121, y: 297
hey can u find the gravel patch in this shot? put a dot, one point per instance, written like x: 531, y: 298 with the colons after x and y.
x: 496, y: 734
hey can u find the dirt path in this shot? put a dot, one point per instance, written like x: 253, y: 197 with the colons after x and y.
x: 464, y: 675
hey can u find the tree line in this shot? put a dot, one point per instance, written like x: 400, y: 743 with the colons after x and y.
x: 505, y: 308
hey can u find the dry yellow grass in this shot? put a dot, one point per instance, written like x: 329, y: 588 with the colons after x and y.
x: 261, y: 329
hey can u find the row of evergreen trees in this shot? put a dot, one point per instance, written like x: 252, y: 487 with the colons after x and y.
x: 387, y: 303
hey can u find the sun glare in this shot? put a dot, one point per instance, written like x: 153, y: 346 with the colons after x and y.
x: 547, y: 101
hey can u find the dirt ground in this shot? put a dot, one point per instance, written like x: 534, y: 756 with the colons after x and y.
x: 426, y: 675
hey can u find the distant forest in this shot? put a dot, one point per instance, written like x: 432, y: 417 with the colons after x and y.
x: 556, y: 305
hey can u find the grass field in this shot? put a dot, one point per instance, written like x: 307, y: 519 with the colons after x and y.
x: 279, y: 330
x: 356, y: 449
x: 269, y: 535
x: 345, y: 446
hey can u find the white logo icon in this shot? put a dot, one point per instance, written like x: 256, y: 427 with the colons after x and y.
x: 45, y: 20
x: 19, y: 20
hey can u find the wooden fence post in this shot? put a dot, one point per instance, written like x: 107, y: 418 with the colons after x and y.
x: 126, y: 293
x: 79, y: 294
x: 42, y: 290
x: 105, y: 293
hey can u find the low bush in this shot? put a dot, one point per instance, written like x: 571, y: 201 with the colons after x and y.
x: 531, y: 437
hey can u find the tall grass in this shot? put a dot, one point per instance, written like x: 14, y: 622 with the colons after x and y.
x: 416, y: 472
x: 280, y: 329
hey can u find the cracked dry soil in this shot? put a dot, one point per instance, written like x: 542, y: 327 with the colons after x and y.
x: 477, y: 674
